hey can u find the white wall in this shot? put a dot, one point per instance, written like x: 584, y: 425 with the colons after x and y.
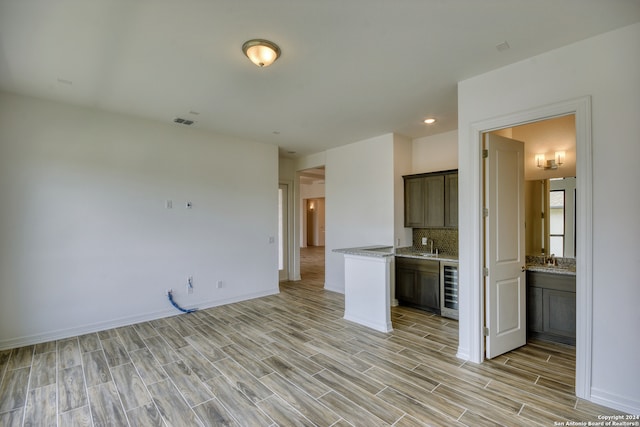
x: 286, y: 169
x: 359, y: 201
x: 311, y: 161
x: 402, y: 154
x: 435, y: 153
x: 86, y: 242
x: 607, y: 69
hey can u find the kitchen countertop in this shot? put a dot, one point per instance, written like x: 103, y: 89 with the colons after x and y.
x: 410, y: 252
x: 380, y: 251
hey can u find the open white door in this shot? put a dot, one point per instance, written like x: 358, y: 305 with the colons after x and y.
x: 505, y: 288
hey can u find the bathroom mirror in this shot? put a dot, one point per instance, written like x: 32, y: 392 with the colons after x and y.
x: 551, y: 217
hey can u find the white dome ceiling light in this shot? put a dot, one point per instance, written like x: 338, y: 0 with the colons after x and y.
x: 261, y: 52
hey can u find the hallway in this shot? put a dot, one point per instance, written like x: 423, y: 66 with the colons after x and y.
x: 312, y: 265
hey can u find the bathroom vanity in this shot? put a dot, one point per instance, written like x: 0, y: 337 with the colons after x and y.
x: 551, y: 304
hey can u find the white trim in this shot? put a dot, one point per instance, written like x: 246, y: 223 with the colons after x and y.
x: 123, y: 321
x: 581, y: 107
x: 615, y: 401
x: 291, y: 221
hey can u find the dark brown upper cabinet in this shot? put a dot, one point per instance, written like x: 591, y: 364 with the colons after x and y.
x: 431, y: 200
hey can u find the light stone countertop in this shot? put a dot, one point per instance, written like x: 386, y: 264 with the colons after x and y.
x: 410, y: 252
x: 380, y: 251
x: 553, y: 269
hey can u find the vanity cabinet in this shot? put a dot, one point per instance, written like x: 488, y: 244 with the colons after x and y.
x: 551, y: 307
x: 418, y: 283
x: 431, y: 200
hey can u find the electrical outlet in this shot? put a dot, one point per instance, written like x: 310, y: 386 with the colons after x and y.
x: 220, y: 284
x: 424, y: 240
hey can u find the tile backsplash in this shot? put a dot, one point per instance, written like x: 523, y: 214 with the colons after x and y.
x: 444, y: 239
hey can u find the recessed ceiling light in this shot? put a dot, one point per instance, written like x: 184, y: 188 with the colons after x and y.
x: 430, y: 121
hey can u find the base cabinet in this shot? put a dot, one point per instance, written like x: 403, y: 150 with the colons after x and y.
x: 551, y: 307
x: 418, y: 283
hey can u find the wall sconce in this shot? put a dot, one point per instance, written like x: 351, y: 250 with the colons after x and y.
x: 311, y: 206
x: 551, y: 164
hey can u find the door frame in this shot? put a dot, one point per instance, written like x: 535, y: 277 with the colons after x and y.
x: 581, y: 108
x: 289, y: 229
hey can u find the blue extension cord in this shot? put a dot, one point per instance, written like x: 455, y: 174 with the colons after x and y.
x: 170, y: 295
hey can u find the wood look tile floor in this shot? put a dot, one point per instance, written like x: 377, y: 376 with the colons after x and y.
x: 290, y: 360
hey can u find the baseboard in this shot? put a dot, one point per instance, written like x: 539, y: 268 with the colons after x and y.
x: 615, y: 401
x: 123, y: 321
x: 463, y: 354
x: 327, y: 287
x: 381, y: 327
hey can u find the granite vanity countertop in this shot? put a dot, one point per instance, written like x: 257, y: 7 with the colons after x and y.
x: 566, y: 266
x: 569, y: 270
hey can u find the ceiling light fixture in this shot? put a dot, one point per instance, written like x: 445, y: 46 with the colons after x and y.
x: 430, y: 121
x: 261, y: 52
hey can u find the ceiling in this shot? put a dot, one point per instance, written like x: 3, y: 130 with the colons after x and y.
x: 349, y: 70
x: 312, y: 176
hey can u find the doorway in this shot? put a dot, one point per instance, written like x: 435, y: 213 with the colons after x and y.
x: 312, y: 225
x: 315, y: 221
x: 546, y: 200
x: 474, y: 313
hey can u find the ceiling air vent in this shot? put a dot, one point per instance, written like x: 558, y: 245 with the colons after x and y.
x: 185, y: 122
